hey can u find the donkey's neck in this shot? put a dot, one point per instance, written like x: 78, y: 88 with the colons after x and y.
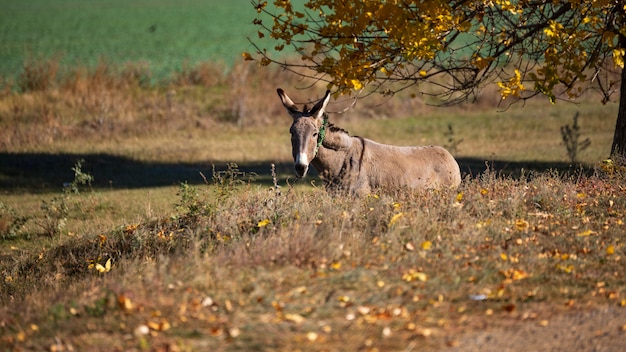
x: 339, y: 158
x: 337, y: 138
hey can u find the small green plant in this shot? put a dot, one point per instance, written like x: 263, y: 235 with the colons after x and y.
x: 453, y: 142
x: 227, y: 181
x: 10, y: 222
x: 190, y: 202
x: 56, y: 210
x: 572, y: 140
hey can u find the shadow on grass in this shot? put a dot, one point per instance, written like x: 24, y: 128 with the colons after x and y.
x: 40, y: 172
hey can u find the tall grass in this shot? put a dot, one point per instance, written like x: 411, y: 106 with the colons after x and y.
x: 237, y: 267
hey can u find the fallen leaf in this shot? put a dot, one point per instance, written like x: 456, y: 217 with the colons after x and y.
x: 413, y: 275
x: 424, y: 332
x: 125, y: 303
x: 294, y: 318
x: 363, y: 310
x: 610, y: 250
x: 426, y: 245
x: 509, y: 307
x: 521, y: 224
x: 394, y: 219
x: 344, y: 299
x: 104, y: 269
x: 129, y: 229
x: 234, y: 332
x: 409, y: 247
x: 586, y: 233
x: 263, y: 223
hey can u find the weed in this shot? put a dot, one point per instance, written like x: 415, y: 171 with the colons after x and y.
x: 227, y: 181
x: 572, y: 139
x: 452, y: 141
x: 38, y: 75
x: 10, y: 222
x: 189, y: 200
x: 56, y: 210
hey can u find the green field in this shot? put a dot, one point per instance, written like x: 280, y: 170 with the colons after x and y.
x: 165, y: 35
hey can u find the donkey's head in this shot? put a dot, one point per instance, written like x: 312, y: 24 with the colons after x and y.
x: 307, y: 130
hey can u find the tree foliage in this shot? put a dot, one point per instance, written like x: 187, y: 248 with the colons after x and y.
x: 526, y: 47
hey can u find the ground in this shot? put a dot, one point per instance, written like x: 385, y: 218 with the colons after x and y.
x: 600, y: 329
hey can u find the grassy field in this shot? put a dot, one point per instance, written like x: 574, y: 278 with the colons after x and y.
x: 151, y: 256
x: 160, y: 36
x: 171, y: 247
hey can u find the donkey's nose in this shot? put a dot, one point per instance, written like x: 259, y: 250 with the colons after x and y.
x: 301, y: 169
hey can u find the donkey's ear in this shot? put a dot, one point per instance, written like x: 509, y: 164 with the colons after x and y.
x: 318, y: 110
x: 292, y: 109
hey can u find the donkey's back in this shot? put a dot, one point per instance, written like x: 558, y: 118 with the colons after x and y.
x: 387, y: 166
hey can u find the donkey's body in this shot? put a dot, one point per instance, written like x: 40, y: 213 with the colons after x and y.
x: 360, y: 165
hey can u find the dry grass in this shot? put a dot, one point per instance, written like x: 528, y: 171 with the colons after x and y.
x: 240, y: 265
x: 240, y: 268
x: 118, y: 103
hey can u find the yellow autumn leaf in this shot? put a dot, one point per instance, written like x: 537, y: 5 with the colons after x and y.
x: 421, y: 276
x: 586, y: 233
x: 159, y: 325
x: 426, y: 245
x: 125, y: 303
x: 104, y: 269
x: 459, y: 197
x: 394, y: 219
x: 130, y: 229
x: 413, y: 275
x: 356, y: 84
x: 610, y: 250
x: 618, y: 57
x: 515, y: 274
x: 521, y: 224
x: 263, y: 223
x: 503, y: 256
x: 565, y: 268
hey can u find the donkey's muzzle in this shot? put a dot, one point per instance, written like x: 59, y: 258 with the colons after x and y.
x: 301, y: 170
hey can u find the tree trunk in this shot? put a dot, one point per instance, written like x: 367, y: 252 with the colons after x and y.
x: 618, y: 149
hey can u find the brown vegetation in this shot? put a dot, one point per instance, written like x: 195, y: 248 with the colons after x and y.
x: 275, y: 269
x: 235, y: 265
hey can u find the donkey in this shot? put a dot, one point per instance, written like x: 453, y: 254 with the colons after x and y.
x: 358, y: 165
